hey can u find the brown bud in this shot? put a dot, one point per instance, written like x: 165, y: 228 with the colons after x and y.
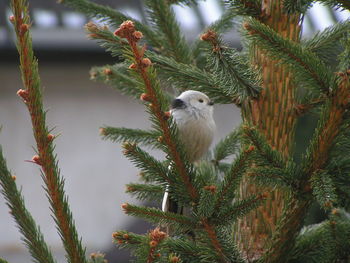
x: 307, y: 188
x: 160, y: 139
x: 125, y: 206
x: 93, y: 35
x: 153, y: 243
x: 120, y: 241
x: 340, y: 74
x: 265, y: 195
x: 102, y: 131
x: 107, y: 71
x: 91, y: 27
x: 12, y: 19
x: 167, y: 115
x: 247, y: 26
x: 335, y: 211
x: 156, y: 234
x: 36, y: 159
x: 130, y: 188
x: 211, y: 188
x: 138, y: 35
x: 14, y: 177
x: 50, y: 137
x: 125, y: 29
x: 174, y: 259
x: 132, y: 66
x: 128, y: 25
x: 157, y: 255
x: 250, y: 149
x: 210, y: 36
x: 145, y: 97
x: 126, y: 236
x: 146, y: 62
x: 23, y: 94
x: 24, y: 28
x: 328, y: 204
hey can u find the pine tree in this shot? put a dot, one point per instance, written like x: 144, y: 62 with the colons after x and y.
x: 250, y: 197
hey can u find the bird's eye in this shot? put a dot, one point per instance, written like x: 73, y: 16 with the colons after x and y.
x: 200, y: 100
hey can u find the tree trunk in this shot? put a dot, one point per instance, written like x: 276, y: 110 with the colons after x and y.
x: 273, y: 114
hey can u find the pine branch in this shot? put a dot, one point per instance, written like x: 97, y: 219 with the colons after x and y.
x: 147, y: 163
x: 128, y: 239
x: 245, y: 7
x: 46, y: 159
x: 186, y: 76
x: 147, y: 247
x: 117, y: 77
x: 3, y: 261
x: 324, y: 242
x: 328, y: 128
x: 286, y: 231
x: 223, y: 24
x: 157, y: 216
x: 111, y: 16
x: 272, y: 176
x: 146, y: 191
x: 97, y: 258
x: 174, y: 44
x: 326, y: 44
x: 212, y: 234
x: 231, y: 70
x: 105, y: 38
x: 297, y: 6
x: 272, y: 156
x: 145, y: 71
x: 232, y: 178
x: 183, y: 2
x: 338, y: 168
x: 231, y: 213
x: 227, y: 146
x: 32, y: 237
x: 309, y: 103
x: 315, y: 160
x: 323, y: 189
x: 149, y: 138
x: 344, y: 57
x: 301, y: 6
x: 187, y: 249
x: 207, y: 200
x: 309, y: 70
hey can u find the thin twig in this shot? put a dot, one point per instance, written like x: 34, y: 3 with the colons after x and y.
x: 32, y: 97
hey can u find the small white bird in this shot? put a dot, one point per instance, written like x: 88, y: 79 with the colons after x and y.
x: 193, y: 114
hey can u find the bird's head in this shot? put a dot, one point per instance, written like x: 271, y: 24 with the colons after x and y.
x: 192, y: 100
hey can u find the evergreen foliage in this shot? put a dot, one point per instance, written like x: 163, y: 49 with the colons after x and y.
x: 302, y: 6
x: 32, y: 237
x: 210, y: 191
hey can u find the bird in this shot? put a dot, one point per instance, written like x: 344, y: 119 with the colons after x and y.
x: 192, y: 112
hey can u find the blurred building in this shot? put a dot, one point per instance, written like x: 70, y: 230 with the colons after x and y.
x: 95, y: 171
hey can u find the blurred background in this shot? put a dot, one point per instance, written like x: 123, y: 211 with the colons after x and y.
x: 95, y: 171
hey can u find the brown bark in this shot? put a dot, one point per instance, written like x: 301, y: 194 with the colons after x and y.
x: 274, y: 115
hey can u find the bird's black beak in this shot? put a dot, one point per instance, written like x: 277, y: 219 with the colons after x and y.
x: 178, y: 104
x: 211, y: 103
